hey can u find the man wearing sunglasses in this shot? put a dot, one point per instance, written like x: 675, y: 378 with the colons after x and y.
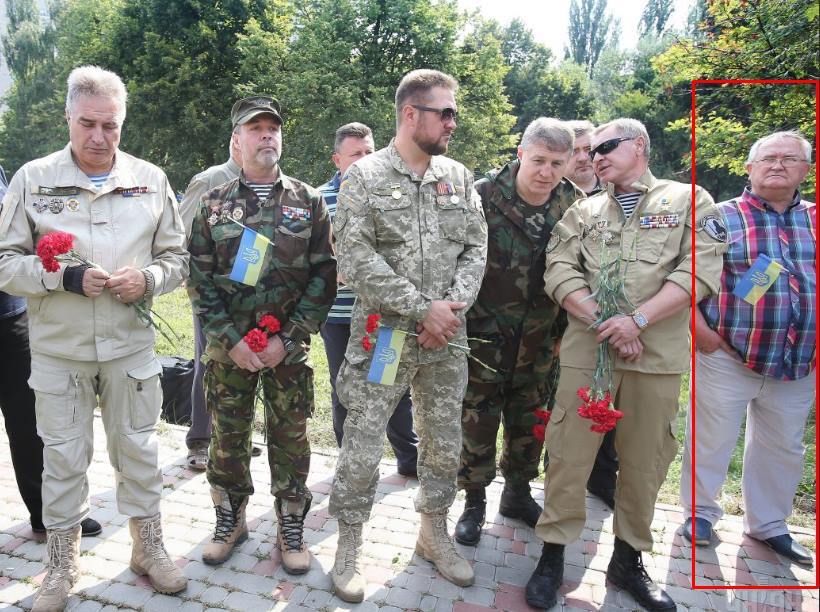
x: 647, y: 222
x: 756, y: 352
x: 411, y: 244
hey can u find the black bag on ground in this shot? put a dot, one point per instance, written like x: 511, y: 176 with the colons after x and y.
x: 177, y: 379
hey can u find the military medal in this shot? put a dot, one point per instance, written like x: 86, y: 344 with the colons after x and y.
x: 299, y: 214
x: 237, y: 214
x: 73, y: 204
x: 445, y: 188
x: 55, y: 206
x: 213, y: 219
x: 131, y: 192
x: 453, y: 199
x: 40, y: 205
x: 396, y: 195
x: 658, y: 221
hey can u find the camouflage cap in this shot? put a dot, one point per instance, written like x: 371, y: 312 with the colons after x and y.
x: 247, y: 108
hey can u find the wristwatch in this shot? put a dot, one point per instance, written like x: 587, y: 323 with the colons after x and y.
x: 289, y: 343
x: 640, y: 319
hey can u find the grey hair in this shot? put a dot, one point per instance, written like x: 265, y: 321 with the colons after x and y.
x: 351, y: 130
x: 95, y: 81
x: 552, y: 133
x: 794, y: 134
x: 581, y: 127
x: 627, y: 128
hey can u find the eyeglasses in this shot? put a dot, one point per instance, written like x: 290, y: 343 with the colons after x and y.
x: 445, y: 114
x: 607, y: 146
x: 789, y: 161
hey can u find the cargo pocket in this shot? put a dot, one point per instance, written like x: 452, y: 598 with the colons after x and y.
x: 56, y: 407
x: 554, y: 434
x: 145, y: 394
x: 669, y: 448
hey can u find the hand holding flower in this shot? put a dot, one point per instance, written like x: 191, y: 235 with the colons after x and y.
x: 127, y: 284
x: 94, y: 280
x: 274, y: 352
x: 243, y: 356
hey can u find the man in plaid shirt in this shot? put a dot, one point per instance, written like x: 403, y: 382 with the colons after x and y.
x: 756, y: 350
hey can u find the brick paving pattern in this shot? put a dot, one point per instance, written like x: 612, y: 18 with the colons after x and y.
x: 253, y: 578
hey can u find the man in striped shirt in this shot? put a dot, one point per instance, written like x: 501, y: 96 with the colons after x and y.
x: 756, y: 357
x: 354, y: 141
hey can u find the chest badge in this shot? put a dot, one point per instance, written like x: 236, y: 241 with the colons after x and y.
x: 40, y: 205
x: 298, y: 214
x: 73, y: 204
x: 55, y: 206
x: 396, y: 195
x: 445, y: 188
x: 658, y: 221
x: 237, y: 214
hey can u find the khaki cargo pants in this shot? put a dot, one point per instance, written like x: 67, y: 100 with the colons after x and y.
x: 130, y: 398
x: 646, y: 445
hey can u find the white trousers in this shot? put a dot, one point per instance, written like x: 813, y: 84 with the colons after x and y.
x: 776, y: 412
x: 130, y: 399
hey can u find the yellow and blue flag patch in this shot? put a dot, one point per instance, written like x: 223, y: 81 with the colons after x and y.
x: 249, y: 258
x: 386, y: 356
x: 757, y: 280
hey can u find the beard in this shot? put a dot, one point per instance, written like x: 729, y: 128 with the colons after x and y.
x: 431, y: 146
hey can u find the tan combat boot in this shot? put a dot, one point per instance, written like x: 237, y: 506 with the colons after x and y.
x: 62, y: 561
x: 348, y: 583
x: 295, y: 555
x: 435, y: 545
x: 149, y: 557
x: 231, y: 528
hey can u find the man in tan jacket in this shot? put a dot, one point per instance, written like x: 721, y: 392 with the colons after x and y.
x: 648, y: 223
x: 88, y: 343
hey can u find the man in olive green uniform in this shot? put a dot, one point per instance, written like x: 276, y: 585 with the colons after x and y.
x: 89, y: 345
x: 647, y: 221
x: 521, y: 326
x: 412, y: 243
x: 296, y: 285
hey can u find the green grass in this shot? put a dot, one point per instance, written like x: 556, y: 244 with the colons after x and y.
x: 176, y: 310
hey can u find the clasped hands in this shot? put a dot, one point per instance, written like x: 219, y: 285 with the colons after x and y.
x: 127, y: 284
x: 440, y: 324
x: 622, y: 333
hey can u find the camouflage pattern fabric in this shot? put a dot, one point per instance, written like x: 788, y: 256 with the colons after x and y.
x: 402, y: 242
x: 524, y: 328
x: 288, y: 401
x: 437, y: 390
x: 298, y: 279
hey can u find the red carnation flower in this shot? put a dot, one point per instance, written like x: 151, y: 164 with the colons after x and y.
x: 543, y: 415
x: 366, y: 344
x: 51, y: 246
x: 257, y: 340
x: 270, y: 323
x: 372, y: 323
x: 539, y: 430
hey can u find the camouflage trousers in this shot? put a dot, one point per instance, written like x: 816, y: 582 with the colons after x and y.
x: 485, y: 406
x: 438, y: 390
x: 230, y: 395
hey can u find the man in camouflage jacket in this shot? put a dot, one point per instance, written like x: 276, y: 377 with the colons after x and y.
x: 297, y: 285
x: 519, y: 324
x: 412, y: 244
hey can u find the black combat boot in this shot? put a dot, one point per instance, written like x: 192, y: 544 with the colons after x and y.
x: 468, y: 528
x: 626, y: 571
x: 543, y: 585
x: 517, y: 502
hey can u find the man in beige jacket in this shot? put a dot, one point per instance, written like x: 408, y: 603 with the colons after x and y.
x: 647, y: 222
x: 88, y: 343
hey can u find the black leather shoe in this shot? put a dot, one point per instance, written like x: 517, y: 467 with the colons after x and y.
x: 542, y: 587
x: 786, y: 545
x: 409, y: 472
x: 626, y: 571
x: 605, y: 495
x: 468, y: 528
x: 701, y: 535
x: 89, y: 527
x: 517, y: 502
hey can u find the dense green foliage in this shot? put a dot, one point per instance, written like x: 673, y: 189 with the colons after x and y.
x: 333, y: 61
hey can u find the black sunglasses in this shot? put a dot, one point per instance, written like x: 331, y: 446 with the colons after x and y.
x: 445, y: 114
x: 607, y: 146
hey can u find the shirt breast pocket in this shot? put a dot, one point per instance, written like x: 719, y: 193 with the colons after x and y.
x: 292, y: 242
x: 392, y: 219
x: 651, y: 243
x: 452, y: 221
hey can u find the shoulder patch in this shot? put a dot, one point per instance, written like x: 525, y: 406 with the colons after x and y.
x: 7, y: 207
x: 554, y: 240
x: 714, y: 227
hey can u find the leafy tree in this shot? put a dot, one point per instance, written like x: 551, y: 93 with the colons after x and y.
x: 745, y: 39
x: 655, y: 16
x: 591, y: 29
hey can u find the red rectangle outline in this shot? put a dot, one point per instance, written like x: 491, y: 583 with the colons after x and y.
x: 692, y: 377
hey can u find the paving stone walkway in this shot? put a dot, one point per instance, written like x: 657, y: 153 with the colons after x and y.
x: 253, y: 578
